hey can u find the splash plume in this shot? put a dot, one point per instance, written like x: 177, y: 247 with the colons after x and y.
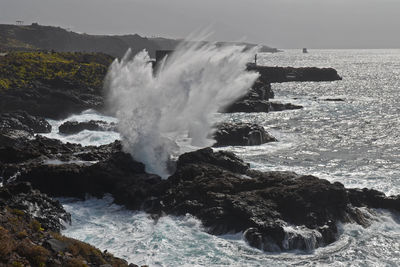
x: 153, y: 109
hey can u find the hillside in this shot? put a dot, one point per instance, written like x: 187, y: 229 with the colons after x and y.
x: 63, y: 70
x: 52, y: 84
x: 36, y: 37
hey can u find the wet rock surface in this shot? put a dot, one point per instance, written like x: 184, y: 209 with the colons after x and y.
x: 259, y: 91
x: 74, y: 127
x: 20, y: 125
x: 21, y: 120
x: 22, y: 197
x: 71, y: 170
x: 276, y: 211
x: 241, y: 134
x: 265, y: 205
x: 55, y: 102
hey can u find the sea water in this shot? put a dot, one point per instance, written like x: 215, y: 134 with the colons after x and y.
x: 355, y: 142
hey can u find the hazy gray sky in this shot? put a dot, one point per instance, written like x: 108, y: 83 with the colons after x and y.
x: 278, y: 23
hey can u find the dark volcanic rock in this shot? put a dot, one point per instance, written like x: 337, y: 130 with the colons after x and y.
x: 256, y: 99
x: 73, y: 127
x: 273, y: 209
x: 54, y: 103
x: 71, y: 170
x: 20, y: 196
x: 290, y: 74
x: 21, y: 120
x: 224, y: 159
x: 251, y: 106
x: 259, y: 91
x: 118, y: 175
x: 241, y: 134
x: 18, y: 126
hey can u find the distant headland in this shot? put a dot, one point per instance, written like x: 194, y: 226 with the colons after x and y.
x: 37, y: 37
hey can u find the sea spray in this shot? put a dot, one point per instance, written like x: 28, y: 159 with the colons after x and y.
x: 181, y: 97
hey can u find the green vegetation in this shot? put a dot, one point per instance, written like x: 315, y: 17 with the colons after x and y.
x: 62, y: 70
x: 22, y: 241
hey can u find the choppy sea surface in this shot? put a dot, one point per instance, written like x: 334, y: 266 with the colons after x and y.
x: 354, y: 141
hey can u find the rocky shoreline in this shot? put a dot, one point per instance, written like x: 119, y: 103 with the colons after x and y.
x: 215, y: 186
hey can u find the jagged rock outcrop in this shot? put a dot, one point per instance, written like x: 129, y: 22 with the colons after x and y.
x: 40, y: 207
x: 74, y: 127
x: 259, y: 91
x: 241, y: 134
x: 21, y: 120
x: 50, y: 102
x: 275, y: 210
x: 269, y: 207
x: 72, y: 170
x: 257, y: 100
x: 20, y: 125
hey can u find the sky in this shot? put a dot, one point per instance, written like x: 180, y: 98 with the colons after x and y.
x: 277, y: 23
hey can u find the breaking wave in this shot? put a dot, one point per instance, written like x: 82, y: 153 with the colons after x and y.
x: 154, y: 108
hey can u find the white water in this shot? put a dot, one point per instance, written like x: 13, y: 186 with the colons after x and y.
x: 85, y: 138
x: 181, y: 241
x: 354, y: 142
x: 154, y: 110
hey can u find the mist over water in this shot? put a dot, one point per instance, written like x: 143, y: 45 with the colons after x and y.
x: 154, y: 109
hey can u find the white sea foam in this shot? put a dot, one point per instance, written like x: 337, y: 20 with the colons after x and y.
x: 85, y: 138
x: 182, y: 97
x: 182, y: 241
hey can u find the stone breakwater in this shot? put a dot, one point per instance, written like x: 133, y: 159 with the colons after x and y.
x: 290, y: 74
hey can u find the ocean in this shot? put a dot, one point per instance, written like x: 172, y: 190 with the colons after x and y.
x: 354, y: 140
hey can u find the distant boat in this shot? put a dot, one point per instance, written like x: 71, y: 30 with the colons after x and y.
x: 305, y: 50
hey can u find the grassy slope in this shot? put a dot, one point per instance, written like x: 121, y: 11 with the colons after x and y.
x: 21, y: 244
x: 28, y: 69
